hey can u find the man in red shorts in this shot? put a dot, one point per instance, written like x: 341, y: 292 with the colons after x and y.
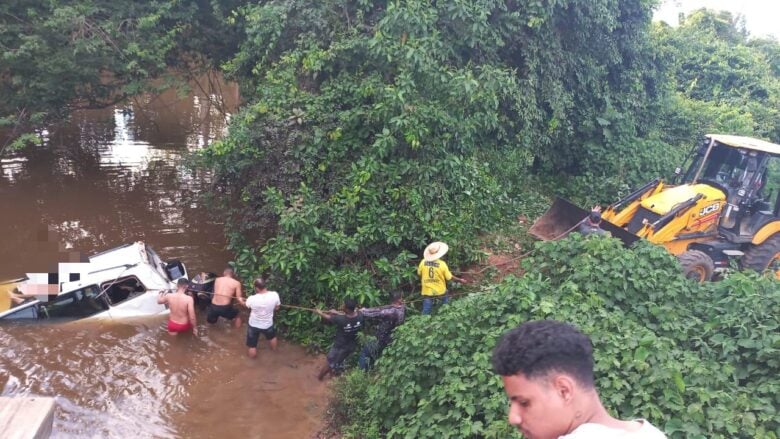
x: 182, y: 307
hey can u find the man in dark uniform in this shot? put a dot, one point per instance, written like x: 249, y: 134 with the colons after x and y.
x: 348, y: 324
x: 387, y: 317
x: 592, y: 224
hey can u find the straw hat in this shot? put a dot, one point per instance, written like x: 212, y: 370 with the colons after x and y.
x: 435, y: 250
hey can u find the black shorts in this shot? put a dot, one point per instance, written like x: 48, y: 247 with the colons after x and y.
x: 253, y: 334
x: 217, y: 311
x: 337, y: 355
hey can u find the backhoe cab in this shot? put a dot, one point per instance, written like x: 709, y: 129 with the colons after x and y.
x: 727, y: 205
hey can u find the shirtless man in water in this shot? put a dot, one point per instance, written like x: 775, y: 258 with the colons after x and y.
x: 226, y: 288
x: 182, y: 308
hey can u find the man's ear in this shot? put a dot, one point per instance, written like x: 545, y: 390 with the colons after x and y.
x: 564, y: 387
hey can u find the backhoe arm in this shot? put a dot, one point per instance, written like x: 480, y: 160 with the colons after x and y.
x: 621, y: 212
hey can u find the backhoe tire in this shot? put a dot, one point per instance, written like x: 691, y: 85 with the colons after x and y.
x: 762, y: 256
x: 697, y: 265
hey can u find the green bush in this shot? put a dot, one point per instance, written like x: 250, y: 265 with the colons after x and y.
x: 699, y: 361
x: 348, y: 402
x: 373, y: 128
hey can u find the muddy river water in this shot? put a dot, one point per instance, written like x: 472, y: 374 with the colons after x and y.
x: 108, y: 177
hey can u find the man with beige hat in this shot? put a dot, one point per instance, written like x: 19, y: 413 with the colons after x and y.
x: 434, y: 274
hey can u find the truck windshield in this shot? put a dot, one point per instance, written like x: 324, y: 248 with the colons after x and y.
x: 23, y: 312
x: 156, y: 262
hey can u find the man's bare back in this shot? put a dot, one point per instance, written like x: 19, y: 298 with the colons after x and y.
x: 225, y: 289
x: 182, y: 309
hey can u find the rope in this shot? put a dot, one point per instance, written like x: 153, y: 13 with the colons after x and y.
x: 482, y: 291
x: 522, y: 256
x: 113, y: 282
x: 485, y: 290
x: 465, y: 293
x: 489, y: 289
x: 497, y: 265
x: 235, y: 298
x: 212, y: 294
x: 300, y: 307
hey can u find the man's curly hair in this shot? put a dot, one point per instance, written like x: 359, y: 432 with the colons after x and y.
x: 537, y: 348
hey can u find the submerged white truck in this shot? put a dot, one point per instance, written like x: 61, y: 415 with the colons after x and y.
x: 119, y: 283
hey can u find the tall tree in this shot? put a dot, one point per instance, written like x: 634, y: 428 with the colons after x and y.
x: 723, y: 80
x: 59, y: 55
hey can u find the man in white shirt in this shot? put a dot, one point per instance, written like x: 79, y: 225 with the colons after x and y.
x: 547, y: 369
x: 261, y: 318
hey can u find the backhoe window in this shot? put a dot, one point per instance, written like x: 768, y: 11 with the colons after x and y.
x: 771, y: 190
x: 688, y: 178
x: 726, y: 166
x: 718, y: 168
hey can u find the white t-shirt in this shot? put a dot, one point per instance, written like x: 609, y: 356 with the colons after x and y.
x: 262, y: 306
x: 598, y: 431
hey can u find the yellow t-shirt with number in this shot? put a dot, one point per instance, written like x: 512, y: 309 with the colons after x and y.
x: 434, y: 276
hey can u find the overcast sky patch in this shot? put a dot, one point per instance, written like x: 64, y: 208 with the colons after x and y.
x: 761, y: 16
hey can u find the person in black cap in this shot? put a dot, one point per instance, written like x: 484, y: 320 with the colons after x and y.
x: 592, y: 224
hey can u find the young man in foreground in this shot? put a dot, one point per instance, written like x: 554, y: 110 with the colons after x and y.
x: 262, y: 304
x: 547, y: 369
x: 347, y: 325
x: 182, y: 307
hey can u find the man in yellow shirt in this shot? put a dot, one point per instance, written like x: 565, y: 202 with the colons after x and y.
x: 434, y: 275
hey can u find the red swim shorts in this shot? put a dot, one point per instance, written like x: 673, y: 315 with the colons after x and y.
x: 179, y: 327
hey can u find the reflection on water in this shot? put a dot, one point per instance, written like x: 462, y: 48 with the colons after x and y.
x: 103, y: 179
x: 116, y: 175
x: 12, y: 166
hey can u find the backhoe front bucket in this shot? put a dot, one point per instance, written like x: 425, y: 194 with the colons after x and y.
x: 559, y: 219
x: 563, y: 217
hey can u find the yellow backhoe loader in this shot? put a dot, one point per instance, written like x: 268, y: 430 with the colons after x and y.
x: 726, y: 206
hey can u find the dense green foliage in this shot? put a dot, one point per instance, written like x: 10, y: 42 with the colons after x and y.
x: 721, y: 79
x: 374, y: 128
x: 370, y: 128
x: 699, y: 361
